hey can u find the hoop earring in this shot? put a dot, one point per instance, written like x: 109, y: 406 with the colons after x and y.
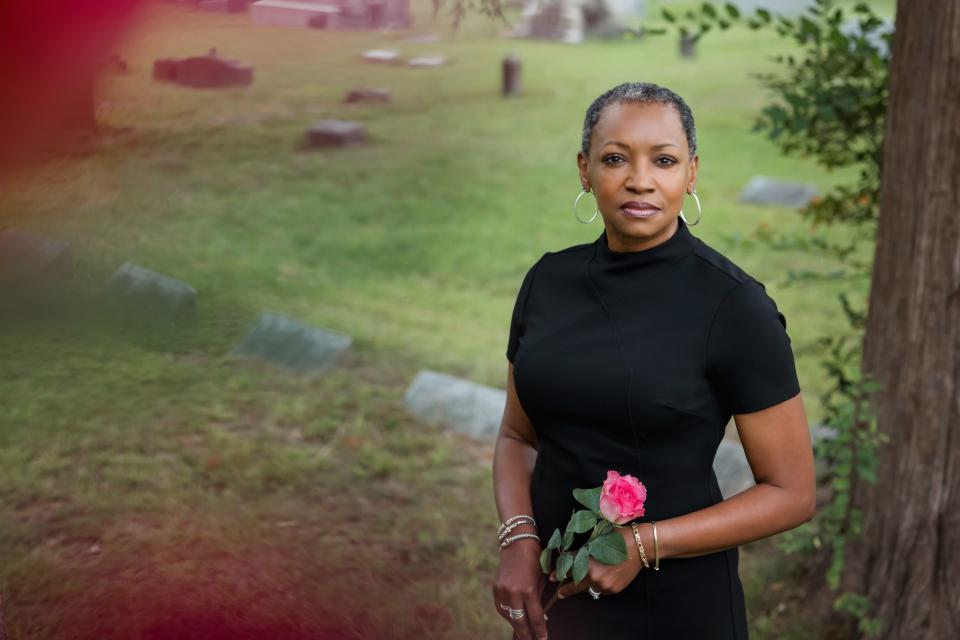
x: 577, y: 215
x: 699, y: 210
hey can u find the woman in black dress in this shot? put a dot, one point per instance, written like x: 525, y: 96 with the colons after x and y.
x: 631, y: 353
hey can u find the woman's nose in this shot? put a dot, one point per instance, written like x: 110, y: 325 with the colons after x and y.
x: 640, y: 179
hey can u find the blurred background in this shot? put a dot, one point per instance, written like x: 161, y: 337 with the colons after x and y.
x: 174, y: 463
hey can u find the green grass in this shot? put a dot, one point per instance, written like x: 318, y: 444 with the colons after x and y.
x: 159, y: 475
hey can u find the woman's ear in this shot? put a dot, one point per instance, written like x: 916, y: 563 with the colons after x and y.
x: 584, y: 175
x: 692, y: 174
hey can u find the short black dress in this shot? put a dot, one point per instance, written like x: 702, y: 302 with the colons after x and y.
x: 636, y: 361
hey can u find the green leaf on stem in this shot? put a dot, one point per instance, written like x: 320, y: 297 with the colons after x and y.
x: 590, y: 498
x: 564, y: 562
x: 581, y: 563
x: 545, y: 560
x: 603, y: 527
x: 582, y: 521
x: 567, y: 539
x: 609, y: 549
x: 554, y: 542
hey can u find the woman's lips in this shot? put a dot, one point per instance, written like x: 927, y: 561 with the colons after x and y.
x: 639, y: 211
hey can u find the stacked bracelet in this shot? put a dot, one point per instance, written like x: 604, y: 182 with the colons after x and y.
x: 656, y: 547
x: 509, y: 521
x: 507, y: 541
x: 643, y: 554
x: 505, y: 528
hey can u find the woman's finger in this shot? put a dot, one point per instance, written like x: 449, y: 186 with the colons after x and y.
x: 536, y: 618
x: 519, y: 619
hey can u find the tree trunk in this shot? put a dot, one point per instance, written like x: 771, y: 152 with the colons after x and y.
x: 907, y: 560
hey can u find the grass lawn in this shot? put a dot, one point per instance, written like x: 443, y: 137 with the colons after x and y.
x: 152, y: 486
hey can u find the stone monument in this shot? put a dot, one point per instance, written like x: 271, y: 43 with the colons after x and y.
x: 150, y: 294
x: 573, y: 20
x: 335, y: 133
x: 765, y: 190
x: 286, y: 343
x: 465, y: 406
x: 332, y: 14
x: 203, y: 72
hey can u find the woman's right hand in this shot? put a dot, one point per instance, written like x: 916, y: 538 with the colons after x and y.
x: 518, y: 584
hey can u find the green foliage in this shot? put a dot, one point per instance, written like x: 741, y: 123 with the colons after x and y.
x: 545, y: 559
x: 604, y: 544
x: 555, y: 540
x: 564, y: 564
x: 829, y: 104
x: 858, y: 606
x: 459, y: 9
x: 604, y: 527
x: 582, y: 521
x: 608, y: 549
x: 581, y: 563
x: 590, y: 498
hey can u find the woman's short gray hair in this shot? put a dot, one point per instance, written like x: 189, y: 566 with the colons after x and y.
x: 645, y: 92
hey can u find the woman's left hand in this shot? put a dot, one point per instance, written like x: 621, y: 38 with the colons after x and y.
x: 607, y: 578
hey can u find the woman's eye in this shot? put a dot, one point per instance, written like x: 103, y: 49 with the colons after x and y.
x: 613, y: 159
x: 669, y: 161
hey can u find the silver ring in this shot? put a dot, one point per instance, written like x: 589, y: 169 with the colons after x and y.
x: 515, y: 614
x: 593, y: 593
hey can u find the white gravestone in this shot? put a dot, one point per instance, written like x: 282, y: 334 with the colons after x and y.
x: 288, y: 344
x: 465, y: 406
x: 152, y: 294
x: 764, y: 190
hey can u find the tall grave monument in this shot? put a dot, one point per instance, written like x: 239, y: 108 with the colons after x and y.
x: 574, y: 20
x: 332, y: 14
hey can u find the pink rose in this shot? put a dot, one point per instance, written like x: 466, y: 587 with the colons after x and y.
x: 622, y: 498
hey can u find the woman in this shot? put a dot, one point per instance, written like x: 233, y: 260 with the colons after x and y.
x: 632, y: 353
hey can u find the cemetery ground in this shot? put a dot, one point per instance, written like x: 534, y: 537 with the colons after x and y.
x: 152, y: 486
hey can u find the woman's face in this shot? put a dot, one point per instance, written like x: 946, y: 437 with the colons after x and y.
x: 639, y: 169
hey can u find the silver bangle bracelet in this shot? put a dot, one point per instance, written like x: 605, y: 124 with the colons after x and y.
x: 508, y: 541
x: 504, y: 525
x: 504, y: 532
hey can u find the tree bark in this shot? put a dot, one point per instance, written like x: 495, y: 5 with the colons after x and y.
x: 907, y: 560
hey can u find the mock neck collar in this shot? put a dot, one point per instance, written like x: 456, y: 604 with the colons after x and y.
x: 676, y: 246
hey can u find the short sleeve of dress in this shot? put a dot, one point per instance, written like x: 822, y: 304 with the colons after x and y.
x: 749, y: 358
x: 519, y: 308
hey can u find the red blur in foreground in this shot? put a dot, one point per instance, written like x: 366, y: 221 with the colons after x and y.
x: 50, y: 52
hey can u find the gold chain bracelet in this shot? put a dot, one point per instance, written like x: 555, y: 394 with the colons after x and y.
x: 643, y: 554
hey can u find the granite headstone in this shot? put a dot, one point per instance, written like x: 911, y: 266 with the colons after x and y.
x: 336, y: 133
x: 733, y: 471
x: 368, y: 94
x: 427, y: 62
x: 381, y: 55
x: 764, y: 190
x: 288, y: 344
x: 465, y: 406
x: 151, y: 294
